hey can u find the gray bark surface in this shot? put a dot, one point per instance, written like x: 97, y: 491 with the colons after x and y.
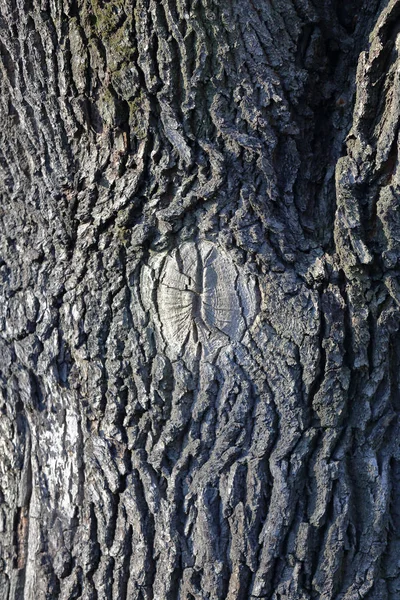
x: 199, y: 300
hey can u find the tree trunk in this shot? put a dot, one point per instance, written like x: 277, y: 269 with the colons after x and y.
x: 199, y: 260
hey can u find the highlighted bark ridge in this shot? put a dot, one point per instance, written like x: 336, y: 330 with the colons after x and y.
x: 201, y: 298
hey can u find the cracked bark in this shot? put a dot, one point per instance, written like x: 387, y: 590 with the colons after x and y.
x: 199, y: 266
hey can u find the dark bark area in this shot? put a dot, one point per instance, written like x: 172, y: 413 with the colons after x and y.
x: 199, y: 312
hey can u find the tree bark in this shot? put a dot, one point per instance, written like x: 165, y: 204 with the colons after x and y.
x: 199, y: 315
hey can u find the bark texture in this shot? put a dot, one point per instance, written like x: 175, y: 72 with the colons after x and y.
x: 199, y: 312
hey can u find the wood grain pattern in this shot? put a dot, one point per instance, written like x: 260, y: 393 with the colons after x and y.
x: 204, y: 302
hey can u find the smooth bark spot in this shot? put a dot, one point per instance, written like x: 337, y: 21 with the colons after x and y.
x: 201, y: 297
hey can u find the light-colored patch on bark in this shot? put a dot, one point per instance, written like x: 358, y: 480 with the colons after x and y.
x: 201, y: 298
